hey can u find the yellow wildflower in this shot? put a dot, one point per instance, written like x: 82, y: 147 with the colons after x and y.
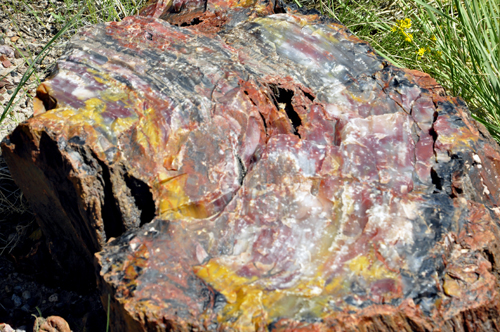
x: 408, y: 37
x: 421, y: 52
x: 404, y: 24
x: 439, y: 53
x: 433, y: 38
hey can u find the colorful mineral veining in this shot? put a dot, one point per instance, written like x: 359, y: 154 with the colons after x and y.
x: 298, y: 181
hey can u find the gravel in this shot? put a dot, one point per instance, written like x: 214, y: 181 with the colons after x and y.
x: 22, y: 39
x: 27, y: 289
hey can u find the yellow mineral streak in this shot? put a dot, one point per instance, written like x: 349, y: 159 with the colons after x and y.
x: 174, y: 203
x: 370, y: 268
x: 249, y: 298
x: 452, y: 287
x: 250, y: 304
x: 245, y: 3
x: 148, y: 133
x: 114, y: 94
x: 173, y: 195
x: 455, y: 140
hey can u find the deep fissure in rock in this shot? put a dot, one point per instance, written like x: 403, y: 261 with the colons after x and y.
x: 308, y: 95
x: 436, y: 180
x: 143, y: 198
x: 111, y: 214
x: 283, y: 100
x: 264, y: 121
x: 194, y: 21
x: 250, y: 98
x: 243, y: 171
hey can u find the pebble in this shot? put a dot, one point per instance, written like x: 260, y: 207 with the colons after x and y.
x: 18, y: 54
x: 6, y: 63
x: 10, y: 92
x: 26, y: 295
x: 2, y: 41
x: 53, y: 298
x: 6, y: 328
x: 13, y: 73
x: 8, y: 51
x: 17, y: 300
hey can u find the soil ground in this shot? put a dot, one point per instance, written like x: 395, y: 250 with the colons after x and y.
x: 27, y: 288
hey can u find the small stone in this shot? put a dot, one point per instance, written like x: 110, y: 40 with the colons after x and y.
x: 6, y: 328
x: 13, y: 73
x: 14, y: 39
x: 6, y: 63
x: 10, y: 92
x: 52, y: 323
x: 26, y: 295
x: 25, y: 308
x: 17, y: 300
x: 6, y: 50
x: 2, y: 41
x: 18, y: 54
x: 53, y: 298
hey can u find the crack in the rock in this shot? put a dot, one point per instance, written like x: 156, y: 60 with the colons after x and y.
x: 282, y: 99
x: 194, y: 21
x: 243, y: 171
x: 436, y: 180
x: 111, y: 214
x: 264, y: 121
x: 143, y: 198
x: 434, y: 135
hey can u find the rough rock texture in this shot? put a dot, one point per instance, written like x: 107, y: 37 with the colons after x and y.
x: 239, y: 168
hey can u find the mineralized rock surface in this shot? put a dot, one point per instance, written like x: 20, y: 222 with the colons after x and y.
x: 241, y: 166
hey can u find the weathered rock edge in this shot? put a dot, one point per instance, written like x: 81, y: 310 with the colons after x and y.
x: 93, y: 179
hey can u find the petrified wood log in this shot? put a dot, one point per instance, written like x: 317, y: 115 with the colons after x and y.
x: 235, y: 166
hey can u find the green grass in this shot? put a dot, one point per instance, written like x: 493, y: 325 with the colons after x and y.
x: 67, y: 20
x: 456, y: 41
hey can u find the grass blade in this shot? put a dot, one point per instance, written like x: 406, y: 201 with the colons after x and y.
x: 31, y: 68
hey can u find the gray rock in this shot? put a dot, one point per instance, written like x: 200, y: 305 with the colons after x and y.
x: 26, y: 295
x: 17, y: 300
x: 8, y: 51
